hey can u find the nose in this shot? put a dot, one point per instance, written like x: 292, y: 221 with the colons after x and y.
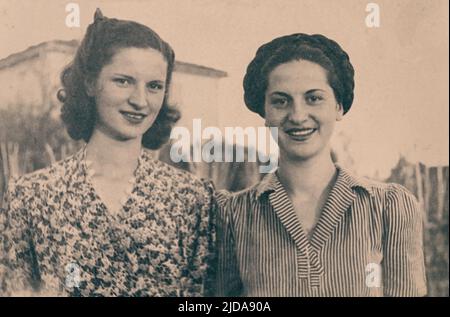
x: 298, y: 112
x: 138, y: 97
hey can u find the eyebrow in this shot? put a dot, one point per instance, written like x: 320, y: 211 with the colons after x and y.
x: 280, y: 93
x: 287, y: 95
x: 314, y: 90
x: 123, y: 75
x: 132, y: 78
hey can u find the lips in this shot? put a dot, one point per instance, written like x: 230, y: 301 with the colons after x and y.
x: 133, y: 117
x: 300, y: 134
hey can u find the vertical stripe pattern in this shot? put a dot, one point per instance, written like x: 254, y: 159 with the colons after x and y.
x: 367, y: 242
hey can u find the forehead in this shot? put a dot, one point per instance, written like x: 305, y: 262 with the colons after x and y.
x: 137, y: 61
x: 298, y: 73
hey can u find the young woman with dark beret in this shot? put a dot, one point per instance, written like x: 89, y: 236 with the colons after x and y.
x: 313, y: 228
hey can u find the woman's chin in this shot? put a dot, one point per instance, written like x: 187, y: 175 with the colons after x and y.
x: 130, y: 133
x: 126, y: 136
x: 300, y: 157
x: 300, y: 153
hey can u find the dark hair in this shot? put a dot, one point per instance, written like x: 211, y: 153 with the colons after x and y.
x: 104, y: 37
x: 315, y: 48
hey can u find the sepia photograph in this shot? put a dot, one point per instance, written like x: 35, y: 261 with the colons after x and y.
x: 234, y: 148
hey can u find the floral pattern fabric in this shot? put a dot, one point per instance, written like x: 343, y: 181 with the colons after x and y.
x: 57, y: 237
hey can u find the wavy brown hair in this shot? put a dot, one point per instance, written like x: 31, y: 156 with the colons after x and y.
x: 103, y: 38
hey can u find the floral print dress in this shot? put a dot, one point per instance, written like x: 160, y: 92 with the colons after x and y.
x: 57, y: 237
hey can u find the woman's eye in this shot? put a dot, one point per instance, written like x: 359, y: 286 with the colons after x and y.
x: 314, y: 99
x: 279, y: 102
x: 122, y: 82
x: 155, y: 86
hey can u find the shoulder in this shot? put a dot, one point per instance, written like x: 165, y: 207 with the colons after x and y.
x: 389, y: 200
x: 39, y: 181
x: 237, y: 202
x: 391, y: 193
x: 382, y: 191
x: 26, y: 194
x: 399, y: 204
x: 402, y: 203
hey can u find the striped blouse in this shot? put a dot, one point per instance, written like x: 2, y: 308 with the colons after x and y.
x: 367, y: 242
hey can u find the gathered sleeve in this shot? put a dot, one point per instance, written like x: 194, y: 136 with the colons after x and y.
x: 403, y: 258
x: 18, y: 273
x: 228, y: 282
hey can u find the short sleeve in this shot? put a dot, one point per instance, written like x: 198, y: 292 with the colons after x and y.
x: 17, y: 274
x: 228, y: 283
x: 403, y: 258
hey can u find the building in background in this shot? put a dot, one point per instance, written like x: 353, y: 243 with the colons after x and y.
x: 31, y: 79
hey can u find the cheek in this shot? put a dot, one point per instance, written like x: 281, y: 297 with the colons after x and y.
x: 272, y: 116
x: 328, y: 115
x: 156, y: 102
x: 328, y: 125
x: 110, y: 98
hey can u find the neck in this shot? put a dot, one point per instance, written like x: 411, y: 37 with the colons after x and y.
x: 310, y: 176
x: 112, y: 157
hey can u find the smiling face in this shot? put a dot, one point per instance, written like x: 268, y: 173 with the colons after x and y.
x: 301, y: 104
x: 129, y: 92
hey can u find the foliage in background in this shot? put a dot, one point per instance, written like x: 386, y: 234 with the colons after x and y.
x: 29, y: 142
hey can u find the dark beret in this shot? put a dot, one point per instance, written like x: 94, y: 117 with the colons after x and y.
x: 316, y: 48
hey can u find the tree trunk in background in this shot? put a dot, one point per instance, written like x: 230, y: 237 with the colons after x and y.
x: 430, y: 185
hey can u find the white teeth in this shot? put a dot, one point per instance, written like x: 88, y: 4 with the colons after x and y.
x: 134, y: 116
x: 302, y: 132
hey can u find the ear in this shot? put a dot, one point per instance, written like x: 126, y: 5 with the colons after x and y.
x: 89, y: 85
x: 339, y: 112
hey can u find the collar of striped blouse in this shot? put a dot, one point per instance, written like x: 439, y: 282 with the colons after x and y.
x: 270, y: 181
